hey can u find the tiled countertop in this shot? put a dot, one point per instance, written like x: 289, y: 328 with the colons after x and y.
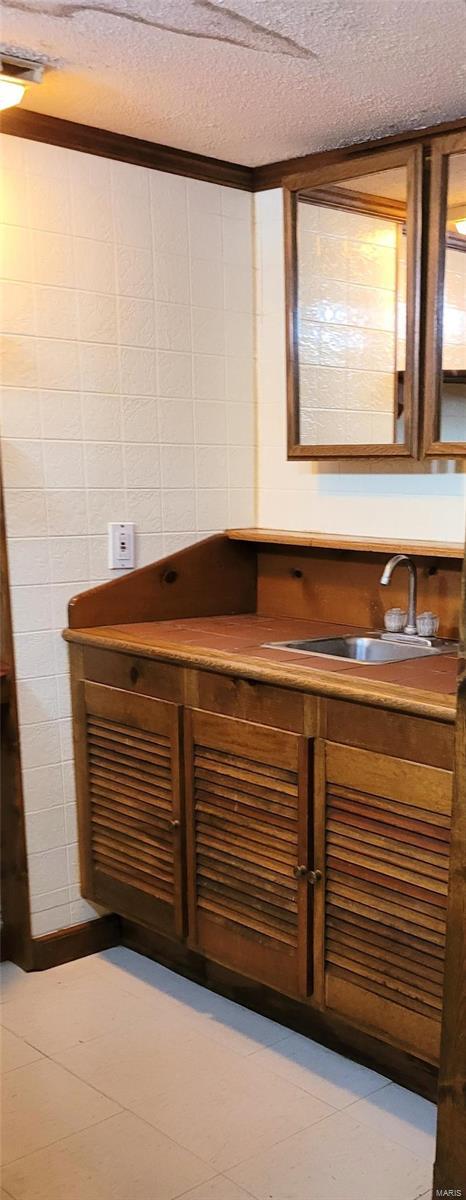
x: 235, y: 645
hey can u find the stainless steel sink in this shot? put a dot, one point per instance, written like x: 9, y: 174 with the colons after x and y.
x: 370, y: 647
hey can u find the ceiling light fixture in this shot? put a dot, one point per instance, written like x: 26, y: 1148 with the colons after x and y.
x: 15, y: 76
x: 461, y: 226
x: 11, y: 92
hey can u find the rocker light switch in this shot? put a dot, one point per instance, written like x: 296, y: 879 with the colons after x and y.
x: 120, y: 545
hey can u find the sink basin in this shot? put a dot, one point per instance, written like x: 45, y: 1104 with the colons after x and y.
x: 370, y: 647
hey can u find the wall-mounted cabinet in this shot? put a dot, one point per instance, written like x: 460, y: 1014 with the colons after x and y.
x: 445, y: 377
x: 376, y: 362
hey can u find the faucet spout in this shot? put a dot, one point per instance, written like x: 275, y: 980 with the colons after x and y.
x: 411, y: 624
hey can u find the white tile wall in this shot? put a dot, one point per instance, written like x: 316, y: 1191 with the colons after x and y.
x: 363, y: 498
x: 127, y: 315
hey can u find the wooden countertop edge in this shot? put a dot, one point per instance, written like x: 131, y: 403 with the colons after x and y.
x: 408, y: 700
x: 283, y: 537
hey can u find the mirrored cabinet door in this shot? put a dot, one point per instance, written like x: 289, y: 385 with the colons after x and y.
x: 352, y: 235
x: 445, y: 372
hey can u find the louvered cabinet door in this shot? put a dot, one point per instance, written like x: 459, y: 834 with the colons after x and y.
x: 247, y: 794
x: 131, y: 822
x: 386, y: 877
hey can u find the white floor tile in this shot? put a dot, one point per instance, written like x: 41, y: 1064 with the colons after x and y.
x: 14, y: 1052
x: 15, y: 983
x: 225, y: 1104
x: 42, y: 1103
x: 218, y: 1188
x: 338, y: 1159
x: 179, y: 1001
x: 401, y: 1116
x: 236, y: 1027
x: 69, y: 1014
x: 119, y: 1159
x: 148, y: 981
x: 204, y: 1096
x: 335, y: 1080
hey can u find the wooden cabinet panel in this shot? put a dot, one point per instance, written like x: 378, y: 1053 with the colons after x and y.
x: 247, y: 789
x: 387, y: 834
x: 395, y: 734
x: 134, y: 673
x: 133, y: 802
x: 248, y: 700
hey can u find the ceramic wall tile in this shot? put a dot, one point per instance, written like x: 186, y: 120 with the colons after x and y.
x: 19, y: 413
x: 119, y: 299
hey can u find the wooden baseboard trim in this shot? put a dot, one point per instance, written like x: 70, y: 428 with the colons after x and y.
x: 38, y: 127
x: 324, y: 1027
x: 76, y: 942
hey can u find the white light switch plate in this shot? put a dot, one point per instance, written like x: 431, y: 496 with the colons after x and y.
x: 120, y: 545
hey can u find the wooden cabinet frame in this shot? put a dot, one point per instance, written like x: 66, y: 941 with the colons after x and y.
x: 405, y: 156
x: 450, y: 1159
x: 432, y: 447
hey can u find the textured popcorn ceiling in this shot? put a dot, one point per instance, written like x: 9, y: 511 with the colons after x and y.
x: 247, y: 80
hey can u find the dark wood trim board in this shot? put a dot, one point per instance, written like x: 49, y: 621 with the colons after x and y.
x: 75, y: 942
x: 72, y: 136
x: 39, y: 127
x: 16, y: 931
x: 450, y: 1159
x: 273, y: 175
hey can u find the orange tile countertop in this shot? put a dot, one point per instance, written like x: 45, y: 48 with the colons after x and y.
x: 234, y: 645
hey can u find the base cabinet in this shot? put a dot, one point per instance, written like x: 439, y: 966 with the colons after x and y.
x: 387, y: 825
x: 248, y: 804
x: 311, y: 866
x: 131, y: 805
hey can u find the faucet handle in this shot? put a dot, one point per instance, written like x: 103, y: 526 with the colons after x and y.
x: 427, y: 624
x: 395, y: 620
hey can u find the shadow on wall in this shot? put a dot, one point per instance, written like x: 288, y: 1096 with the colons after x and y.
x: 336, y: 477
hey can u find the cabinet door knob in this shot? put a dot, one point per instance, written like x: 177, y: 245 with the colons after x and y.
x: 302, y: 872
x: 175, y: 824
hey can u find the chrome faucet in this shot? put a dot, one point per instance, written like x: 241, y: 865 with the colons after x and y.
x: 411, y: 624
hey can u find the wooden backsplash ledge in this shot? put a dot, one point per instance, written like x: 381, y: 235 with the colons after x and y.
x: 336, y: 541
x: 344, y: 585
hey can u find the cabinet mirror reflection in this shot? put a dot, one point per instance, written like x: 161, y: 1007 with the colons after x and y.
x: 353, y: 295
x: 446, y: 319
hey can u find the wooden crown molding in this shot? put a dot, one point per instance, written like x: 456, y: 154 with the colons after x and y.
x: 39, y: 127
x: 275, y: 174
x: 72, y: 136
